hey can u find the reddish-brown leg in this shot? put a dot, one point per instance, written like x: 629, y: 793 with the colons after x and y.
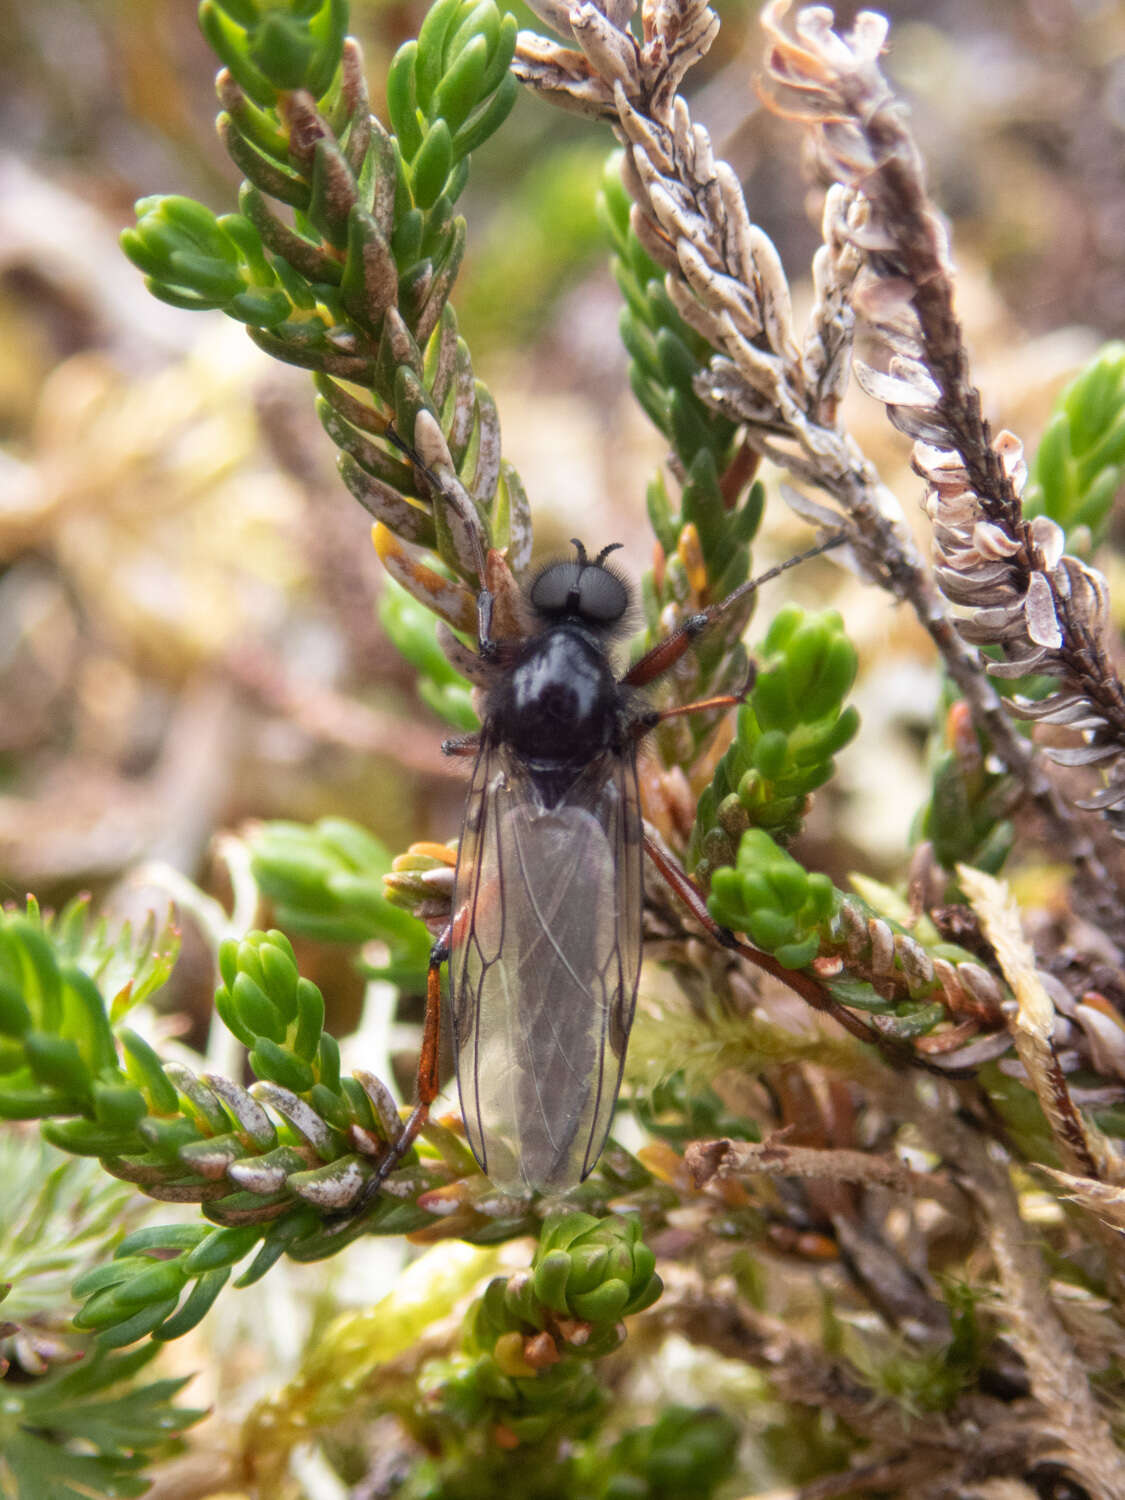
x: 462, y: 744
x: 809, y: 989
x: 427, y: 1084
x: 666, y: 653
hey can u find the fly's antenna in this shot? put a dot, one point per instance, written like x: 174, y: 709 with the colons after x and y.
x: 581, y: 551
x: 604, y: 553
x: 837, y: 539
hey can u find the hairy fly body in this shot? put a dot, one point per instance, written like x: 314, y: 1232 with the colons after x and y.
x: 544, y: 941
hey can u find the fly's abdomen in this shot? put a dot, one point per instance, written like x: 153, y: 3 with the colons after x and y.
x: 543, y: 980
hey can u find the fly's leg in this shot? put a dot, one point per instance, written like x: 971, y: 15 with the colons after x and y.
x: 809, y: 989
x: 427, y: 1084
x: 646, y: 722
x: 666, y: 653
x: 461, y: 745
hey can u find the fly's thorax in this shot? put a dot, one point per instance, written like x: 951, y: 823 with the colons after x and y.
x: 560, y: 701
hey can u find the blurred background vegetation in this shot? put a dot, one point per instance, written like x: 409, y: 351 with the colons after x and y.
x: 189, y: 631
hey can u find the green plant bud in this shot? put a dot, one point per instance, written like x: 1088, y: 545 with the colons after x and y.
x: 619, y: 1262
x: 291, y: 1226
x: 641, y: 349
x: 310, y: 1020
x: 29, y: 966
x: 481, y: 20
x: 560, y: 1231
x: 521, y: 1302
x: 119, y: 1270
x: 229, y: 42
x: 279, y: 971
x: 771, y: 753
x: 57, y: 1062
x: 155, y: 1237
x: 243, y: 233
x: 228, y: 1014
x: 431, y: 166
x: 1051, y: 470
x: 87, y: 1022
x: 162, y: 1279
x: 725, y: 900
x: 167, y: 1137
x: 689, y: 429
x: 86, y: 1138
x: 250, y: 959
x: 652, y: 401
x: 783, y: 627
x: 796, y: 955
x: 604, y: 1304
x: 15, y: 1018
x: 195, y: 1307
x: 402, y: 100
x: 587, y: 1268
x: 648, y: 1294
x: 432, y: 38
x: 34, y: 1104
x: 145, y: 1069
x: 789, y: 885
x: 550, y: 1275
x: 703, y: 501
x: 752, y: 885
x: 222, y: 1247
x: 328, y: 1062
x: 770, y: 929
x: 277, y: 1065
x: 282, y: 49
x: 836, y: 673
x: 644, y: 1264
x: 212, y: 278
x: 302, y: 298
x: 459, y: 91
x: 115, y: 1305
x: 255, y: 1010
x: 819, y: 740
x: 142, y: 1322
x: 195, y: 224
x: 822, y: 895
x: 678, y: 365
x: 330, y: 1106
x: 772, y: 703
x: 262, y: 308
x: 502, y: 48
x: 118, y: 1106
x: 804, y: 654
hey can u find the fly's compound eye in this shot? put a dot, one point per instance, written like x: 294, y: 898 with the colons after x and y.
x: 581, y: 590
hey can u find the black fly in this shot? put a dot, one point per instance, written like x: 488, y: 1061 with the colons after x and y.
x: 544, y: 941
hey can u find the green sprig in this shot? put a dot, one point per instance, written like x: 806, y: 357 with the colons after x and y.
x: 89, y: 1429
x: 791, y: 727
x: 1079, y: 465
x: 326, y: 882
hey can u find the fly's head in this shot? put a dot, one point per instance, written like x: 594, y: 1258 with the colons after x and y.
x: 582, y: 591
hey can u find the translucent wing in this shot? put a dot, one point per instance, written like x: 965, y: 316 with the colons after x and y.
x: 544, y: 966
